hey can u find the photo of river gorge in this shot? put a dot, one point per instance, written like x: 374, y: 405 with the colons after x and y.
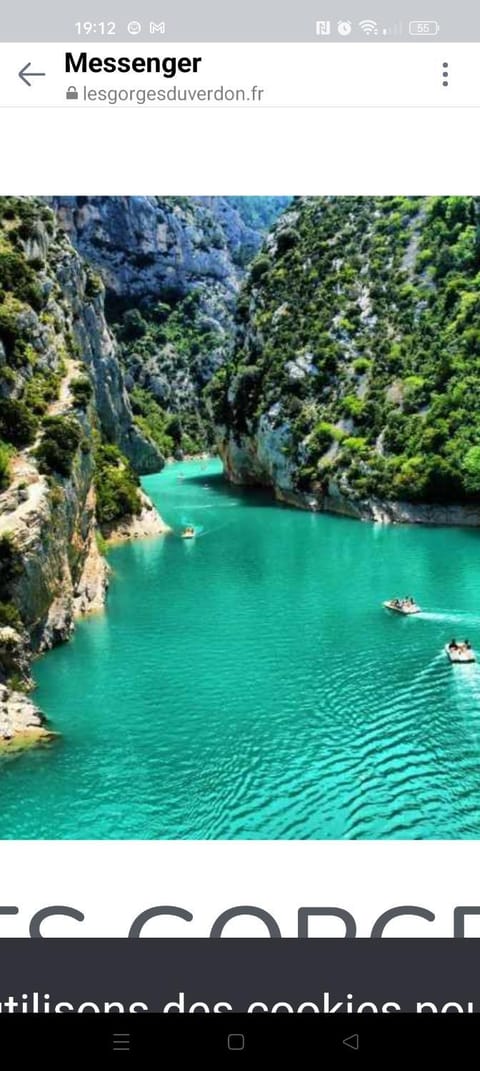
x: 240, y: 517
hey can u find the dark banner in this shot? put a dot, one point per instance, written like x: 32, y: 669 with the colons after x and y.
x: 312, y: 976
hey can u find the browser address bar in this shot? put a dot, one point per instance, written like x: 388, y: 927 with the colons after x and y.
x: 230, y: 75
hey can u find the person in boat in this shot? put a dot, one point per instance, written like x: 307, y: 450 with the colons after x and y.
x: 453, y: 645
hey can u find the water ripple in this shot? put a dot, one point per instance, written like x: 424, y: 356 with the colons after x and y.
x: 251, y: 685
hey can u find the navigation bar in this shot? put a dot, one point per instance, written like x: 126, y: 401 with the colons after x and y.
x: 276, y: 75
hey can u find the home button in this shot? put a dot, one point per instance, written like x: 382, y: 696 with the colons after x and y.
x: 236, y: 1042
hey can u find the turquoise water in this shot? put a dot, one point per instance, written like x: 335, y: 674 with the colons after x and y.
x: 248, y: 684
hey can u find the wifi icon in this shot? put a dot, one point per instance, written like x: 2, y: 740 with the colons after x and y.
x: 369, y: 27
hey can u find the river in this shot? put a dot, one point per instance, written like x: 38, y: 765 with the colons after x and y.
x: 249, y: 684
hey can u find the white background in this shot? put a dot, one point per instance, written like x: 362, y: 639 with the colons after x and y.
x: 241, y: 151
x: 294, y: 151
x: 110, y: 883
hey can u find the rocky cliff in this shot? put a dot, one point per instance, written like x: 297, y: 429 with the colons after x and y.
x: 114, y: 315
x: 62, y: 397
x: 151, y: 247
x: 172, y: 268
x: 354, y: 384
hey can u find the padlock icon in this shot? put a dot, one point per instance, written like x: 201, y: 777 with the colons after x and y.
x: 72, y: 93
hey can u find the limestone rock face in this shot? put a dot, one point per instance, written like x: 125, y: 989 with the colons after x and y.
x: 97, y: 348
x: 396, y: 512
x: 90, y: 591
x: 20, y: 719
x: 53, y: 530
x: 15, y: 655
x: 53, y: 335
x: 146, y: 246
x: 154, y: 254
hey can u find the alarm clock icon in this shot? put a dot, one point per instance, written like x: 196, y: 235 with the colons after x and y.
x: 344, y: 27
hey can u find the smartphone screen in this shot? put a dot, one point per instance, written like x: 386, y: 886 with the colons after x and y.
x: 239, y: 516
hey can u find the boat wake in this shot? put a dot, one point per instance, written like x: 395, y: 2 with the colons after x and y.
x: 201, y: 531
x: 215, y: 505
x: 430, y: 668
x: 210, y: 531
x: 461, y: 617
x: 466, y: 687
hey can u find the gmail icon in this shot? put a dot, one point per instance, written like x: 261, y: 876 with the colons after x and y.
x: 157, y: 27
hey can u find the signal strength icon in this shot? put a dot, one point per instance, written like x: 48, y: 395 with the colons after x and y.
x: 369, y: 27
x: 393, y: 31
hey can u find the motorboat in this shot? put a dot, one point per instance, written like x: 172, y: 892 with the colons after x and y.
x: 188, y: 532
x: 460, y: 653
x: 403, y: 606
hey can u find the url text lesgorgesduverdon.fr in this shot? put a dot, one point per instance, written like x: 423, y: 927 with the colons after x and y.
x: 174, y: 95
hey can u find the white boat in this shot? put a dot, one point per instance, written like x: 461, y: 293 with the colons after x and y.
x: 188, y: 533
x: 402, y: 606
x: 460, y: 653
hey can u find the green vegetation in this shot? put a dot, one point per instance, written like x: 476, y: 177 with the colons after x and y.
x: 259, y: 212
x: 9, y: 616
x: 18, y: 425
x: 361, y: 365
x: 174, y: 340
x: 41, y: 390
x: 11, y: 566
x: 116, y: 486
x: 22, y: 215
x: 61, y: 438
x: 93, y: 284
x: 133, y: 325
x: 260, y: 266
x: 161, y: 427
x: 81, y: 390
x: 5, y: 455
x: 382, y: 297
x: 14, y: 331
x: 101, y: 542
x: 31, y: 322
x: 471, y: 468
x: 17, y: 276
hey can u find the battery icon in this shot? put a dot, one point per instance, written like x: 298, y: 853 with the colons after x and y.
x: 423, y: 29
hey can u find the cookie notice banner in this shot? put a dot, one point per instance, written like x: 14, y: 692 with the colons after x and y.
x: 205, y: 976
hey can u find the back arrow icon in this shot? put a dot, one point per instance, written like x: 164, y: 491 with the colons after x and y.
x: 352, y: 1042
x: 25, y: 74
